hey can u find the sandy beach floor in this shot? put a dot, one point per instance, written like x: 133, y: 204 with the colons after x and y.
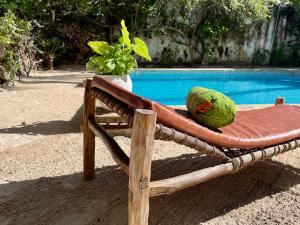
x: 41, y: 170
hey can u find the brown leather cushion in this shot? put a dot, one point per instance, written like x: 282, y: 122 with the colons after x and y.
x: 252, y: 129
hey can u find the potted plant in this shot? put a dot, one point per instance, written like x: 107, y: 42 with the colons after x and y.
x: 115, y: 62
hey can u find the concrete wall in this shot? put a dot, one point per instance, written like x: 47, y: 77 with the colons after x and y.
x: 230, y: 49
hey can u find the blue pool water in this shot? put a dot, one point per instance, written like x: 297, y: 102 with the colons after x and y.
x: 171, y: 87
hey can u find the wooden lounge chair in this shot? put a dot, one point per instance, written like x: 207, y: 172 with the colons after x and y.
x: 256, y: 135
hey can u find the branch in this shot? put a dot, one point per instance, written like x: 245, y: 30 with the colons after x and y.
x: 136, y: 14
x: 185, y: 44
x: 159, y: 28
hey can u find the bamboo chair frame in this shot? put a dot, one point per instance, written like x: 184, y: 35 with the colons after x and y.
x: 144, y: 131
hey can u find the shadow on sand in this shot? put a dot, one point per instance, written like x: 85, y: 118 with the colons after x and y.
x: 48, y: 127
x: 70, y: 200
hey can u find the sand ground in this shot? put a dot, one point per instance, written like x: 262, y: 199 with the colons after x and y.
x: 41, y: 170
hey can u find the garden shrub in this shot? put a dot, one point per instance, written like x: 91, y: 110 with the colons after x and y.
x: 261, y: 57
x: 169, y: 56
x: 16, y: 45
x: 52, y: 49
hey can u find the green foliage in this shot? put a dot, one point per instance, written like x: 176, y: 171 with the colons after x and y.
x: 261, y: 57
x: 169, y: 56
x: 117, y: 59
x: 296, y: 11
x: 211, y: 34
x: 13, y: 31
x: 294, y: 30
x: 279, y: 56
x: 191, y: 23
x: 140, y: 48
x: 41, y: 9
x: 212, y: 31
x: 51, y: 48
x: 205, y: 21
x: 287, y: 55
x: 134, y: 12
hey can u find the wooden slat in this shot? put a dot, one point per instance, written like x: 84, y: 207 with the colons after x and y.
x: 114, y: 126
x: 108, y: 118
x: 168, y: 186
x: 171, y: 185
x: 120, y: 132
x: 117, y: 153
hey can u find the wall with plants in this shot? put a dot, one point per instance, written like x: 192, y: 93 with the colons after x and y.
x: 286, y: 49
x: 273, y: 40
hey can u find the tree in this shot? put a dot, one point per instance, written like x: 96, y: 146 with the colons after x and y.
x: 48, y: 12
x: 191, y: 23
x: 203, y: 22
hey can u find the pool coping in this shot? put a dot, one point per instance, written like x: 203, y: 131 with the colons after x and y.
x: 224, y: 69
x: 241, y: 106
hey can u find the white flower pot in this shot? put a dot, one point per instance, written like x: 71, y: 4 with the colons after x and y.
x: 123, y: 81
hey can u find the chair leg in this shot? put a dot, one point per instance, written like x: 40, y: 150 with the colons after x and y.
x: 88, y: 135
x: 142, y: 140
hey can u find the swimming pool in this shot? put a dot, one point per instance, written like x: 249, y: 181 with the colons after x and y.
x: 170, y: 87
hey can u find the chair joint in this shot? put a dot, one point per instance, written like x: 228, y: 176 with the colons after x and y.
x: 144, y: 184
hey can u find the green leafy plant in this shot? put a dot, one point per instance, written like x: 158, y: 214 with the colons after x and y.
x: 211, y: 34
x: 200, y: 25
x: 50, y: 48
x: 261, y: 57
x: 169, y: 56
x: 286, y: 54
x: 14, y: 33
x: 117, y: 59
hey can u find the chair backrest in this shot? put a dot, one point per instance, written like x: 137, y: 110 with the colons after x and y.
x: 121, y: 94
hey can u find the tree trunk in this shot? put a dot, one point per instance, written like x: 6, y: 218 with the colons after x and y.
x: 52, y: 17
x: 273, y: 60
x: 191, y: 50
x: 50, y: 62
x: 203, y: 50
x: 2, y: 77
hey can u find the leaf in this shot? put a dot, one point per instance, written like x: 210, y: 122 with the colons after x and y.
x: 120, y: 40
x: 204, y: 107
x: 96, y: 63
x: 125, y: 35
x: 140, y: 48
x: 120, y: 68
x: 6, y: 40
x: 130, y: 63
x: 110, y: 65
x: 100, y: 47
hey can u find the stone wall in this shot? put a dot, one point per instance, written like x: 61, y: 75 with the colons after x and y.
x: 257, y: 44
